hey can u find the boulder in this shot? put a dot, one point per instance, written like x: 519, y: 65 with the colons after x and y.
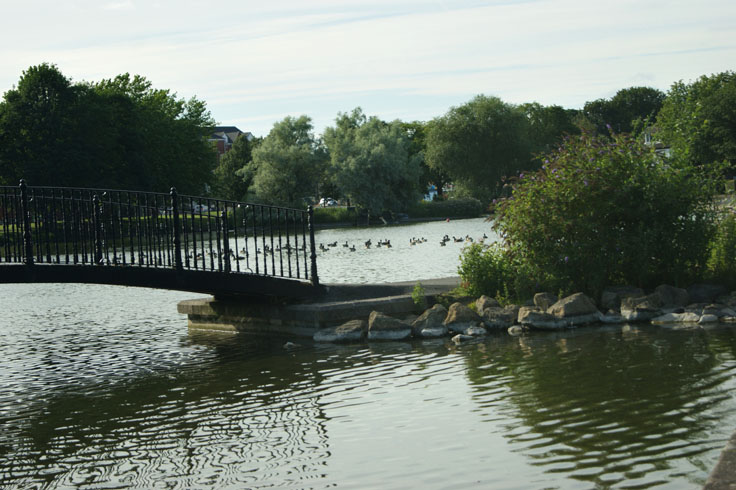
x: 460, y: 318
x: 460, y: 338
x: 672, y: 296
x: 642, y: 308
x: 496, y: 317
x: 352, y: 331
x: 728, y: 299
x: 705, y: 293
x: 571, y: 306
x: 708, y: 319
x: 544, y: 300
x: 430, y: 324
x: 612, y: 296
x: 485, y: 302
x: 717, y: 310
x: 668, y: 318
x: 531, y: 316
x: 476, y: 331
x: 384, y: 327
x: 516, y: 330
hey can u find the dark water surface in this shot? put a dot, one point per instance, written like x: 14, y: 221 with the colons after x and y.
x: 104, y: 387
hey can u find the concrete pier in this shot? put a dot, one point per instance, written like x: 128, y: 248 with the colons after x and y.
x: 341, y: 303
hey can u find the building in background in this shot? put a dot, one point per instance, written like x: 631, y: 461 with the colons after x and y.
x: 223, y: 138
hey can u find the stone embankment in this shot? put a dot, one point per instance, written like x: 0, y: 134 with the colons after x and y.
x: 666, y: 305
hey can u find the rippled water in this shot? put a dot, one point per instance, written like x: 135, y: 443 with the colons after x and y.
x: 104, y: 387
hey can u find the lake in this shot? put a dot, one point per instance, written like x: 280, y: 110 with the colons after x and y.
x: 104, y: 387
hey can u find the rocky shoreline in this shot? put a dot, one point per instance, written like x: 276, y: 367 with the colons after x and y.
x: 667, y: 305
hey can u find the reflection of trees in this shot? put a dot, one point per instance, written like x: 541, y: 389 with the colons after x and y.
x: 606, y: 405
x: 243, y: 416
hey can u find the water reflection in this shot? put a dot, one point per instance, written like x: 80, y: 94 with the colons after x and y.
x: 613, y: 406
x: 115, y: 393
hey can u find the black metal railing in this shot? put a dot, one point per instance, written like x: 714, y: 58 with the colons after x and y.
x: 107, y: 227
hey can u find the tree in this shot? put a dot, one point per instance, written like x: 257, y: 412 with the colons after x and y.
x: 624, y: 109
x: 234, y: 174
x: 416, y: 131
x: 167, y: 144
x: 370, y: 162
x: 698, y: 119
x: 547, y: 126
x: 479, y: 143
x: 288, y: 163
x: 116, y: 133
x: 38, y: 128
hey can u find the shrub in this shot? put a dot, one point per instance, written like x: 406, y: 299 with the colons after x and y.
x: 451, y: 208
x: 334, y: 214
x: 605, y: 211
x: 722, y: 259
x: 419, y: 298
x: 488, y: 269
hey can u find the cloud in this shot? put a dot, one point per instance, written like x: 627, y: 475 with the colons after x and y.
x: 241, y: 55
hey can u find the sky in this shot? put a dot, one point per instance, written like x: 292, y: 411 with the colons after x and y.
x: 255, y: 63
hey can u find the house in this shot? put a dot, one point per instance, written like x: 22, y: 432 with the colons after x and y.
x: 660, y: 148
x: 224, y: 136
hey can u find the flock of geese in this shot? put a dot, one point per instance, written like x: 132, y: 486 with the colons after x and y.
x: 288, y: 249
x: 412, y: 242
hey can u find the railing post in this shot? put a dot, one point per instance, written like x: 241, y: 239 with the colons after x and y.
x: 313, y: 254
x: 97, y: 223
x: 26, y: 212
x: 177, y: 231
x: 225, y: 239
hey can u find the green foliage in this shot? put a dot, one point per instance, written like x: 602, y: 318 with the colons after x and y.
x: 547, y: 125
x: 452, y: 208
x: 334, y: 214
x: 698, y: 119
x: 491, y: 270
x: 419, y: 297
x: 370, y: 162
x: 624, y: 109
x: 288, y: 163
x: 233, y: 176
x: 606, y: 211
x: 116, y: 133
x: 722, y: 259
x: 478, y: 143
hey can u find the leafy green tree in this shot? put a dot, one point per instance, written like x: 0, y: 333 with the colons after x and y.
x: 116, y: 133
x: 288, y: 163
x: 39, y: 123
x: 168, y: 144
x: 234, y: 174
x: 416, y: 131
x: 370, y: 162
x: 606, y: 211
x: 699, y: 119
x: 624, y: 109
x: 547, y: 127
x: 479, y: 143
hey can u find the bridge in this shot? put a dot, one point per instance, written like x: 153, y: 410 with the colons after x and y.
x: 156, y: 240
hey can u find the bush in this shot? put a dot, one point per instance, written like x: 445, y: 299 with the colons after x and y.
x: 489, y: 270
x: 605, y: 211
x: 452, y: 208
x: 722, y: 259
x: 334, y: 214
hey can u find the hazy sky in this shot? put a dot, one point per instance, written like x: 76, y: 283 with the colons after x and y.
x: 254, y: 63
